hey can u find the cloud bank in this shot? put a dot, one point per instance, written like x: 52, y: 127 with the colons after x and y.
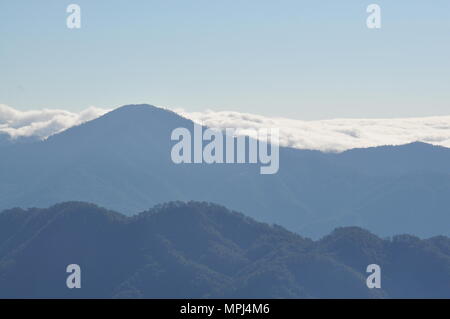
x: 334, y: 135
x: 325, y: 135
x: 42, y: 123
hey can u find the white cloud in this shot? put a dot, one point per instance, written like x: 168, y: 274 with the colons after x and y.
x: 42, y: 123
x: 325, y: 135
x: 334, y: 135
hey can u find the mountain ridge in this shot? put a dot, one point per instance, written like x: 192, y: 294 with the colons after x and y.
x: 122, y: 161
x: 204, y: 250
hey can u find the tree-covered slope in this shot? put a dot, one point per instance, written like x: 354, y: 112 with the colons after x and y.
x: 196, y: 250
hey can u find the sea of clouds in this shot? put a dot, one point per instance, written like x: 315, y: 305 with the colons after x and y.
x: 325, y: 135
x: 42, y: 123
x: 334, y: 135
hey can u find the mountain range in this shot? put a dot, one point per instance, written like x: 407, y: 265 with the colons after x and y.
x: 203, y: 250
x: 122, y: 161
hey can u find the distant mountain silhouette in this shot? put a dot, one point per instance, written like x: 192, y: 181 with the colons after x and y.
x: 122, y: 161
x: 7, y: 140
x: 201, y: 250
x: 4, y: 139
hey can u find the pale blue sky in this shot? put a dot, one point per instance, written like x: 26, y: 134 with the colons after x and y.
x: 298, y: 59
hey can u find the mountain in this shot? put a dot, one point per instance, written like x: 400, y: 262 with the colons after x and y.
x: 122, y: 161
x: 6, y: 140
x: 202, y: 250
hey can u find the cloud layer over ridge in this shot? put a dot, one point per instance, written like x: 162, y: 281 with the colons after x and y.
x: 334, y: 135
x: 325, y: 135
x: 42, y: 123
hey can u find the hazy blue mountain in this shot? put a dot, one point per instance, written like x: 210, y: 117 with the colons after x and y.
x: 201, y: 250
x: 6, y: 140
x: 122, y: 161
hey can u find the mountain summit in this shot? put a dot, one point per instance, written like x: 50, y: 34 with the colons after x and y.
x: 122, y: 161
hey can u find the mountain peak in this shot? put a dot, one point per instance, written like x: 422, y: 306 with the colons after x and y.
x: 126, y: 122
x: 137, y: 108
x: 133, y: 110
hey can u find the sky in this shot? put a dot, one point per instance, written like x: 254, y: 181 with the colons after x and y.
x: 304, y: 60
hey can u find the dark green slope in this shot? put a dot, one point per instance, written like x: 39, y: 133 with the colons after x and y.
x: 196, y: 250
